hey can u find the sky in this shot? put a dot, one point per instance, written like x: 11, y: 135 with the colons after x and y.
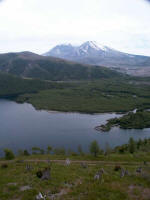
x: 39, y: 25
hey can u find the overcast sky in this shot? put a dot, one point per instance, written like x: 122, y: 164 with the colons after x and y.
x: 38, y: 25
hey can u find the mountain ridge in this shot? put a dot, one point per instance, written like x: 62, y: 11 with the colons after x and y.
x: 93, y: 53
x: 31, y: 65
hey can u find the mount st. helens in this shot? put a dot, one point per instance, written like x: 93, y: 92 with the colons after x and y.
x: 96, y: 54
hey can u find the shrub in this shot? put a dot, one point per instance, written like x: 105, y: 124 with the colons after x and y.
x: 26, y: 153
x: 4, y: 166
x: 94, y: 148
x: 117, y: 168
x: 9, y: 155
x: 131, y: 145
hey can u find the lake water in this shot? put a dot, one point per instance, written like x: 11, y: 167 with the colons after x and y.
x: 22, y: 127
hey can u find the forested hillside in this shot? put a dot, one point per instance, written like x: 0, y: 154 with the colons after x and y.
x: 27, y: 64
x: 13, y: 86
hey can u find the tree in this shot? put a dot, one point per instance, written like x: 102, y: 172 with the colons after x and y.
x: 60, y: 151
x: 108, y: 149
x: 80, y: 151
x: 26, y: 153
x: 20, y: 152
x: 94, y: 148
x: 139, y: 144
x: 42, y: 151
x: 49, y: 149
x: 37, y: 150
x: 131, y: 145
x: 9, y: 155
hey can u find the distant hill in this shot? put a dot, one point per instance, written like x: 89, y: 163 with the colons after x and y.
x: 27, y: 64
x: 11, y: 86
x: 96, y: 54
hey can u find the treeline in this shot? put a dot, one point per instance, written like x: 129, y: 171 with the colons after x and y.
x: 11, y: 86
x: 31, y: 65
x: 94, y: 149
x: 134, y: 146
x: 138, y: 120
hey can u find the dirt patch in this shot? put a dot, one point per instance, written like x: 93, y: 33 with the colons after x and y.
x: 138, y: 192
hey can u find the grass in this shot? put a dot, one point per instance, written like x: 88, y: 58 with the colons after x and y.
x: 117, y: 157
x: 75, y: 182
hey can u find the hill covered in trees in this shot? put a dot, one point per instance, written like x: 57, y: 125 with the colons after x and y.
x: 138, y: 120
x: 27, y: 64
x: 12, y: 86
x: 106, y: 95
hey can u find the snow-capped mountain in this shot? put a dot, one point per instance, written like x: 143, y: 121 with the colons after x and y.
x: 94, y: 53
x: 87, y: 48
x: 61, y: 51
x: 90, y: 47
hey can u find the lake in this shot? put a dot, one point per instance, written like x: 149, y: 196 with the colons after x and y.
x: 22, y: 127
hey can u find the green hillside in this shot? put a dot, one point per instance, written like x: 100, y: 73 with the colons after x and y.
x: 31, y: 65
x: 107, y: 95
x: 12, y: 86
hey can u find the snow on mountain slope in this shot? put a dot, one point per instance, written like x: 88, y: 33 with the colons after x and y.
x: 69, y: 50
x: 94, y: 53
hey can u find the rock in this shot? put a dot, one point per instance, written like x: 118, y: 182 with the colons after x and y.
x: 20, y: 161
x: 122, y: 174
x: 139, y: 170
x: 4, y: 166
x: 40, y: 196
x: 98, y: 175
x: 126, y: 173
x: 46, y: 174
x: 68, y: 162
x: 24, y: 188
x: 117, y: 168
x: 84, y: 165
x: 49, y: 162
x: 14, y: 184
x: 145, y: 163
x: 28, y: 167
x: 102, y: 171
x: 39, y: 174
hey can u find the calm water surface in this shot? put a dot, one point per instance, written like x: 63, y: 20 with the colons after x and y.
x: 22, y: 127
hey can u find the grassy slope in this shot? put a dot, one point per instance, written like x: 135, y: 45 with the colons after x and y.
x: 76, y: 181
x: 107, y: 95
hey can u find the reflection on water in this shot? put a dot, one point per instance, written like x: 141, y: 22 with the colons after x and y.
x: 22, y: 127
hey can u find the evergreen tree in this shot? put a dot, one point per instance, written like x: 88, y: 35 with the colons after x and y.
x: 94, y: 148
x: 131, y: 145
x: 108, y: 149
x: 80, y: 151
x: 26, y: 153
x: 139, y: 144
x: 49, y: 149
x: 9, y: 155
